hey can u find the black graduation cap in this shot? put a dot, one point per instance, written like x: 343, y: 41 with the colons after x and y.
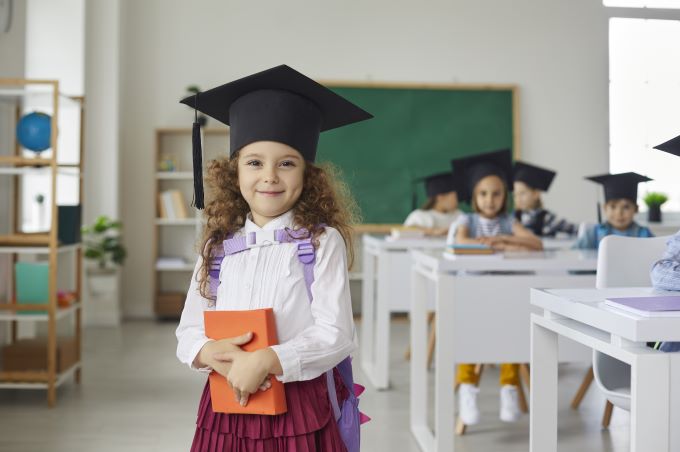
x: 534, y: 176
x: 436, y: 184
x: 278, y: 104
x: 620, y: 186
x: 473, y: 168
x: 671, y: 146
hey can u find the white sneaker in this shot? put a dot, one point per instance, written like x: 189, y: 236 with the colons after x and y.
x: 467, y: 403
x: 510, y: 411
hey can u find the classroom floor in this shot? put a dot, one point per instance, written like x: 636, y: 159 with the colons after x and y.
x: 136, y: 397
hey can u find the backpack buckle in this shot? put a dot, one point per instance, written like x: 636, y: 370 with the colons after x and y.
x: 261, y: 238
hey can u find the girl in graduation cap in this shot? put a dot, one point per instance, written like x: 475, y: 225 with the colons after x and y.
x: 529, y: 182
x: 440, y: 209
x: 266, y: 195
x: 487, y: 179
x: 620, y: 207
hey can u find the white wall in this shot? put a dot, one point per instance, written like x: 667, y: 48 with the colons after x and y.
x: 555, y: 50
x: 102, y: 119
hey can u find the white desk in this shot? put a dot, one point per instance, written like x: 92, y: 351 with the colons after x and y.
x: 580, y: 315
x: 481, y: 318
x: 386, y: 289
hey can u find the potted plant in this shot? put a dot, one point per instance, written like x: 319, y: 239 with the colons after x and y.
x: 654, y: 200
x: 103, y: 246
x: 103, y: 243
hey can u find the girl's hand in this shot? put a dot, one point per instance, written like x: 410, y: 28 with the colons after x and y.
x: 206, y: 355
x: 249, y: 372
x: 436, y: 232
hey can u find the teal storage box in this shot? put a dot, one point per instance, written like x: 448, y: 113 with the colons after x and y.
x: 32, y: 283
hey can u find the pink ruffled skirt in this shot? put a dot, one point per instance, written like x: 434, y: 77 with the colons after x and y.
x: 307, y: 426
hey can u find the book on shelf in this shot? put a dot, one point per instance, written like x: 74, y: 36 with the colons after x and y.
x: 658, y: 306
x: 224, y: 324
x: 171, y: 205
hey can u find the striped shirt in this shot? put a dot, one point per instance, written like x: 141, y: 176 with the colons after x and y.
x: 665, y: 275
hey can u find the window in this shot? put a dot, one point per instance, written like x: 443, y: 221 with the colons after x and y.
x: 644, y: 95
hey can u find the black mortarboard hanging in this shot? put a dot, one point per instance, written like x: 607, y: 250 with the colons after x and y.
x: 197, y: 153
x: 620, y: 186
x: 473, y: 168
x: 534, y: 176
x: 671, y: 146
x: 278, y: 104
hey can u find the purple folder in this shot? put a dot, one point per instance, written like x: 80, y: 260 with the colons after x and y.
x: 664, y: 305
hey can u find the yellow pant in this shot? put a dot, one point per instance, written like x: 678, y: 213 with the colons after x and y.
x: 509, y: 374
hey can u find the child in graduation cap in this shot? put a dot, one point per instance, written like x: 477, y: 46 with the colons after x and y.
x: 487, y: 179
x: 273, y: 210
x: 620, y: 195
x: 441, y: 208
x: 665, y: 273
x: 529, y: 182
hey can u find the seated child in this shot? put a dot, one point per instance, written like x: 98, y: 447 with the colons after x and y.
x: 441, y: 208
x: 665, y: 273
x: 620, y: 195
x: 487, y: 178
x: 529, y: 182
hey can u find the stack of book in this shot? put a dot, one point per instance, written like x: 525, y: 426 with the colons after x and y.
x: 171, y: 205
x: 660, y: 306
x: 406, y: 232
x: 477, y: 250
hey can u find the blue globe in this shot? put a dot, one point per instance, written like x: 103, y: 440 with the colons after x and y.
x: 34, y: 131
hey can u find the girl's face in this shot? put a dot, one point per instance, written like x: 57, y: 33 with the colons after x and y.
x: 447, y: 202
x: 526, y: 198
x: 489, y: 196
x: 270, y: 176
x: 620, y: 212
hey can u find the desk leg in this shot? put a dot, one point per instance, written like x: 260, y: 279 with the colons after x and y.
x: 543, y: 396
x: 674, y: 402
x: 649, y: 410
x: 382, y: 323
x: 368, y: 313
x: 419, y: 384
x: 444, y: 398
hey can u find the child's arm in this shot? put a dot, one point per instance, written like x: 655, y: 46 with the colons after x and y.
x: 193, y: 347
x: 665, y: 273
x: 523, y: 238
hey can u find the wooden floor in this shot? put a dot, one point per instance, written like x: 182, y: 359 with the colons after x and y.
x: 136, y: 397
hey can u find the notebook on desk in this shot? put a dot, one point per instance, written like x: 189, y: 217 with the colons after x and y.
x: 659, y: 306
x: 224, y: 324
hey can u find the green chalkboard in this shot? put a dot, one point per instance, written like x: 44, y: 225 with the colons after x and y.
x: 416, y: 131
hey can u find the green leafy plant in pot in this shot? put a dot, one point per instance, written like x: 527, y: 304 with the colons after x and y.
x: 103, y: 243
x: 654, y: 200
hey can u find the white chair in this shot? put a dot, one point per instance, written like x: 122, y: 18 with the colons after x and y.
x: 621, y: 261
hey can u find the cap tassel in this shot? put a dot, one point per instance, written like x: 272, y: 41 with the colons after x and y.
x: 198, y: 159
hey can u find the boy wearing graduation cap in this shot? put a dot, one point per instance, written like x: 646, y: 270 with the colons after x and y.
x: 529, y: 182
x: 620, y: 195
x: 441, y: 208
x: 665, y: 273
x: 487, y: 179
x: 277, y: 236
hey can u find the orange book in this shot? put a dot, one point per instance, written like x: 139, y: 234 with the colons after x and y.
x: 224, y: 324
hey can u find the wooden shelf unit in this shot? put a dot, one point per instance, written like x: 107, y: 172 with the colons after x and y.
x: 16, y: 166
x: 179, y: 237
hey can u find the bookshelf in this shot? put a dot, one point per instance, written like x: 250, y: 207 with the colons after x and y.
x: 47, y: 242
x: 178, y: 227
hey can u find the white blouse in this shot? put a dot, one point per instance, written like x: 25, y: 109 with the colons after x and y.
x: 431, y: 218
x: 313, y: 338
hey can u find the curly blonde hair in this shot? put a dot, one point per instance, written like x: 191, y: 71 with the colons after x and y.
x: 325, y: 199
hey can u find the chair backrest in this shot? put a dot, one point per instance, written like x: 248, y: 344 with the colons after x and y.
x: 626, y: 261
